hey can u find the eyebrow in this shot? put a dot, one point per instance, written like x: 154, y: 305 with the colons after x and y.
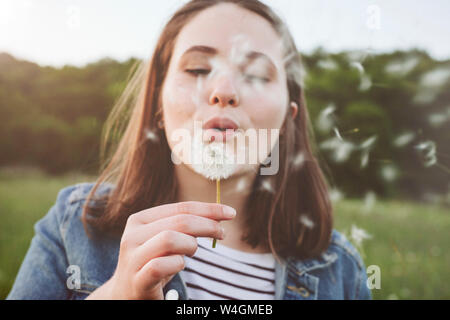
x: 252, y: 55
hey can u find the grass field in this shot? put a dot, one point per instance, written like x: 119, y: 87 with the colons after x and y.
x: 409, y: 242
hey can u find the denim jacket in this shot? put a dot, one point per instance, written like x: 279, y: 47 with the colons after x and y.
x: 63, y: 263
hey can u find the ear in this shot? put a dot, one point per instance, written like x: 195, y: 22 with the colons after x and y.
x: 293, y: 109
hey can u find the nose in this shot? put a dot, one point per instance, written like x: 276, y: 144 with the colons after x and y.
x: 224, y: 93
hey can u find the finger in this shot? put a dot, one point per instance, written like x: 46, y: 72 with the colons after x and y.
x: 157, y: 270
x: 203, y: 209
x: 186, y: 223
x: 165, y: 243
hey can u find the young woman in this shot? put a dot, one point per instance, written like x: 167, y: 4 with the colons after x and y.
x: 144, y: 229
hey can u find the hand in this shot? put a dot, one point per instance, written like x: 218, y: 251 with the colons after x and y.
x: 153, y: 246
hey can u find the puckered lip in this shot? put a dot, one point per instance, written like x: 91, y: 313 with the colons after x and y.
x: 220, y: 123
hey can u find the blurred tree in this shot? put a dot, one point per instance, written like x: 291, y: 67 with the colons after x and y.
x: 381, y: 121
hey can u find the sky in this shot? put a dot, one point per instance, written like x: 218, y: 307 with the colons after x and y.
x: 76, y: 32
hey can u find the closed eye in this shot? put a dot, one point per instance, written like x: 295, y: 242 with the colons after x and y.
x: 256, y: 78
x: 250, y: 78
x: 196, y: 72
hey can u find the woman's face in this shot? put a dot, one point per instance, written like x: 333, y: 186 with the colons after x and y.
x: 228, y: 64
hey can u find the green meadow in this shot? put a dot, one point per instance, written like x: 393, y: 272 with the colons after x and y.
x: 408, y: 241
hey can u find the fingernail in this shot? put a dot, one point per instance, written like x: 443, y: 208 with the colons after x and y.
x: 222, y: 232
x: 229, y: 211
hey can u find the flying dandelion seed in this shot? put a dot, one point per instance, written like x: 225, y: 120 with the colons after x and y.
x: 238, y: 51
x: 217, y: 67
x: 364, y: 159
x: 435, y: 78
x: 428, y: 151
x: 290, y: 56
x: 366, y: 147
x: 151, y: 135
x: 298, y: 160
x: 341, y: 149
x: 306, y: 221
x: 358, y: 55
x: 266, y: 185
x: 431, y: 84
x: 297, y: 73
x: 404, y: 139
x: 367, y: 144
x: 327, y: 64
x: 335, y: 195
x: 402, y: 67
x: 425, y: 96
x: 337, y: 133
x: 358, y: 235
x: 369, y: 201
x: 358, y: 66
x: 365, y: 84
x: 325, y: 121
x: 438, y: 119
x: 389, y: 173
x: 241, y: 185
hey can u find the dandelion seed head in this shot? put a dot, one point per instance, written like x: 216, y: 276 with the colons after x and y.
x: 212, y: 159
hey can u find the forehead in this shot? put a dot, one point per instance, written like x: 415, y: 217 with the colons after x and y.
x: 227, y: 28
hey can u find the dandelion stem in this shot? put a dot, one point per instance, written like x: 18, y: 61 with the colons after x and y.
x: 217, y: 201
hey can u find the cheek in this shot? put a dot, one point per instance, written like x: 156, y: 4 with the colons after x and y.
x: 178, y: 103
x: 267, y: 110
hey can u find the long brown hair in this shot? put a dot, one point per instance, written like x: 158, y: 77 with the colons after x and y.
x: 293, y: 218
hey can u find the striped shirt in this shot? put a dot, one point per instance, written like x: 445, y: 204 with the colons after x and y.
x: 223, y: 273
